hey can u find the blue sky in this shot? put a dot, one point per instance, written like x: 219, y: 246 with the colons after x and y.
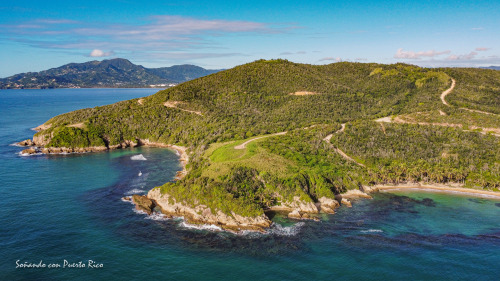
x: 37, y: 35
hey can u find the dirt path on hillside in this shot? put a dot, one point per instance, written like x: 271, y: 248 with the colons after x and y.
x: 479, y: 111
x: 342, y: 153
x: 397, y: 119
x: 448, y: 91
x: 484, y: 131
x: 243, y: 145
x: 173, y: 104
x: 445, y: 93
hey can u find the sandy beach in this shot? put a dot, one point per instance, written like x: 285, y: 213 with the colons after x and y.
x: 438, y: 188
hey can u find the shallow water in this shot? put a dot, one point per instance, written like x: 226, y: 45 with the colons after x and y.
x: 56, y: 208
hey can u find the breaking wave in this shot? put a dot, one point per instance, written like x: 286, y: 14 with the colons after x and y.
x: 135, y: 191
x: 138, y: 157
x: 278, y: 229
x: 372, y: 231
x: 210, y: 227
x: 157, y: 217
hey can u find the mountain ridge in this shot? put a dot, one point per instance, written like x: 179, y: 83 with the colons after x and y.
x: 110, y: 73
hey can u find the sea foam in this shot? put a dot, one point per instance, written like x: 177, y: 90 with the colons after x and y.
x: 278, y: 229
x: 138, y: 157
x: 157, y: 217
x: 134, y: 191
x: 209, y: 227
x: 372, y: 231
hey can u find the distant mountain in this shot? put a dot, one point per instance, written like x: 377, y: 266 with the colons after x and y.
x: 492, y: 67
x: 113, y: 73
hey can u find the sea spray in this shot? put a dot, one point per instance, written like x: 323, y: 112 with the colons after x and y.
x: 135, y: 191
x: 372, y: 231
x: 138, y: 157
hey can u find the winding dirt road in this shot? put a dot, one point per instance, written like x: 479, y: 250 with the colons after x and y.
x: 342, y: 153
x: 244, y: 145
x: 173, y: 104
x: 446, y: 92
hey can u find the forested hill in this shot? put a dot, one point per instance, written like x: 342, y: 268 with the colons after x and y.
x: 341, y: 126
x: 107, y: 73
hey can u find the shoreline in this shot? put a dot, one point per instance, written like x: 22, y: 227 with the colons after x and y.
x: 181, y: 151
x: 436, y: 189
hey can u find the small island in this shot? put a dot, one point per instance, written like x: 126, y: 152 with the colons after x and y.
x: 277, y: 136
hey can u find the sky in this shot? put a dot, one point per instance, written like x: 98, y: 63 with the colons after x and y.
x: 38, y: 35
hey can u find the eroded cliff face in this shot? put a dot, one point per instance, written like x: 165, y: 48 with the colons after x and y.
x: 201, y: 214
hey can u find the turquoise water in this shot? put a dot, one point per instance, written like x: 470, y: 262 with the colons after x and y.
x: 56, y: 208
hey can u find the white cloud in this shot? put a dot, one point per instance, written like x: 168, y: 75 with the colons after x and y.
x: 293, y: 53
x: 477, y: 28
x: 401, y: 54
x: 468, y: 56
x: 331, y: 59
x: 149, y: 36
x: 482, y: 49
x: 100, y: 53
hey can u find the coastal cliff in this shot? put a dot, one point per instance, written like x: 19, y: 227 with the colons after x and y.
x: 201, y: 214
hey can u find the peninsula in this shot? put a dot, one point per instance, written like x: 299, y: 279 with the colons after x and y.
x: 256, y: 142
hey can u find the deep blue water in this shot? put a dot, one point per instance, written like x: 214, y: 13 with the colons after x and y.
x: 56, y: 208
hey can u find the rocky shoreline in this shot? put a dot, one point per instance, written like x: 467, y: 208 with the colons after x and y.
x: 37, y: 147
x: 296, y: 209
x: 155, y: 201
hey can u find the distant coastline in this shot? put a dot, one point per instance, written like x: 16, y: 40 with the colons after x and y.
x: 96, y: 87
x: 113, y: 73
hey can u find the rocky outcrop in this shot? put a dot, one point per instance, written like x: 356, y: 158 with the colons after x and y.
x: 346, y: 203
x: 63, y: 150
x: 143, y: 203
x: 354, y: 194
x: 202, y: 214
x: 27, y: 142
x: 328, y: 205
x: 40, y: 139
x: 298, y: 209
x: 295, y: 214
x: 297, y: 204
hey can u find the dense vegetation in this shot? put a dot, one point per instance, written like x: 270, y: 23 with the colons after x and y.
x: 258, y: 99
x: 411, y: 153
x: 106, y: 73
x: 478, y: 89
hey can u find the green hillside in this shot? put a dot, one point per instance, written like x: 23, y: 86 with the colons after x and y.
x: 422, y: 139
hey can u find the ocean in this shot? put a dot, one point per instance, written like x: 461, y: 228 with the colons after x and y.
x: 63, y: 214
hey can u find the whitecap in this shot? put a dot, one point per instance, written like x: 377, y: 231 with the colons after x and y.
x: 134, y: 191
x: 157, y: 217
x: 278, y: 229
x: 209, y: 227
x: 140, y: 212
x: 28, y: 154
x: 17, y: 145
x: 138, y: 157
x: 372, y: 230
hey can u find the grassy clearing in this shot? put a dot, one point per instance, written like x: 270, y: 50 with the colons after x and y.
x: 223, y: 157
